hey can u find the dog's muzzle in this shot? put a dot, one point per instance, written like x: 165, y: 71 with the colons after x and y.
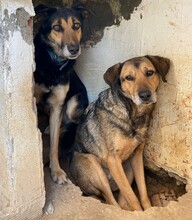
x: 144, y: 96
x: 72, y: 51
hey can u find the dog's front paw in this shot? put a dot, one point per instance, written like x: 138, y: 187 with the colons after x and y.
x: 146, y: 203
x: 59, y: 176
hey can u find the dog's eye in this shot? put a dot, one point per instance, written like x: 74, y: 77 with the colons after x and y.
x: 149, y: 73
x: 57, y: 28
x: 76, y: 26
x: 129, y: 78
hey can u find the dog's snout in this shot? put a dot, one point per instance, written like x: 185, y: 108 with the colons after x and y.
x: 144, y: 95
x: 73, y: 49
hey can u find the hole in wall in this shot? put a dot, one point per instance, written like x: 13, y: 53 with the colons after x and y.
x: 104, y: 13
x: 161, y: 187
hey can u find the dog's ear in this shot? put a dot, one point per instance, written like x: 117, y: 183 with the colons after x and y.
x: 43, y: 10
x: 42, y: 13
x: 112, y: 73
x: 161, y: 65
x: 83, y: 11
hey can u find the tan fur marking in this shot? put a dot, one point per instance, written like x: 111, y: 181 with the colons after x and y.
x: 140, y: 80
x: 115, y: 166
x: 75, y: 36
x: 124, y: 146
x: 71, y: 108
x: 66, y: 37
x: 39, y: 90
x: 58, y: 95
x: 138, y: 169
x: 56, y: 100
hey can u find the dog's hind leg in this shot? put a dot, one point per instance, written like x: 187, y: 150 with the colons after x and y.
x: 75, y: 107
x: 73, y: 110
x: 138, y: 169
x: 114, y: 164
x: 90, y: 177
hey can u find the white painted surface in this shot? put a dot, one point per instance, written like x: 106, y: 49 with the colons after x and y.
x: 22, y: 184
x: 12, y: 6
x: 166, y: 30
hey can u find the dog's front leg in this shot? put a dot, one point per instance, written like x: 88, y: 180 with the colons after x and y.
x: 130, y: 176
x: 57, y: 173
x: 138, y: 170
x: 56, y: 103
x: 115, y: 166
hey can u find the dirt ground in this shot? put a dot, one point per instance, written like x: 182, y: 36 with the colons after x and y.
x: 65, y: 202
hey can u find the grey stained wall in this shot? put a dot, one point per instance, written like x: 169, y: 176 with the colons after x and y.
x: 21, y: 169
x: 103, y: 13
x: 131, y: 28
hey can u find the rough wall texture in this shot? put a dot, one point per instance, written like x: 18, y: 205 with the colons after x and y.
x: 170, y: 144
x: 102, y: 13
x: 22, y: 187
x: 162, y: 28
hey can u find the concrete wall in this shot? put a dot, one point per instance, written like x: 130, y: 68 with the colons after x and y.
x: 157, y: 27
x: 21, y: 170
x: 163, y: 28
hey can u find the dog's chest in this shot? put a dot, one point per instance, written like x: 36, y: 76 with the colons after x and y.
x: 124, y: 146
x: 54, y: 95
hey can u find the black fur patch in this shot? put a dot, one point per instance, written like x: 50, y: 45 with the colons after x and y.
x: 136, y: 64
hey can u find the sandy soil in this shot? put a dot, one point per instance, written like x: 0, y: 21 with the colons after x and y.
x: 65, y: 202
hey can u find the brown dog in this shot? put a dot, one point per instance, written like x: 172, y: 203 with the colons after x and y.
x: 112, y: 133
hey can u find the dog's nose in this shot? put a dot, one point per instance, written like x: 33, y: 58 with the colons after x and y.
x: 145, y: 95
x: 73, y: 49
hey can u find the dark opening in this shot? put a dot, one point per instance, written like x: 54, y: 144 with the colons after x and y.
x: 161, y: 187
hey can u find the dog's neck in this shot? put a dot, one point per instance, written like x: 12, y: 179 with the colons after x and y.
x: 59, y: 61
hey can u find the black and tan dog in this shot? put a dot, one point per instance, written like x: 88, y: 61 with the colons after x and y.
x: 111, y: 135
x: 57, y: 85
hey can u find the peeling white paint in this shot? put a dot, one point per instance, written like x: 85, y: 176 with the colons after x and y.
x: 22, y: 184
x: 12, y: 6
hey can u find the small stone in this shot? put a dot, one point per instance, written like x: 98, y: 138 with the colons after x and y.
x: 162, y: 196
x: 156, y: 201
x: 49, y: 208
x: 172, y: 192
x: 167, y: 194
x: 165, y: 203
x: 188, y: 187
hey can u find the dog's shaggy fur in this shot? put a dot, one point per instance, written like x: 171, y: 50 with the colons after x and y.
x: 111, y: 135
